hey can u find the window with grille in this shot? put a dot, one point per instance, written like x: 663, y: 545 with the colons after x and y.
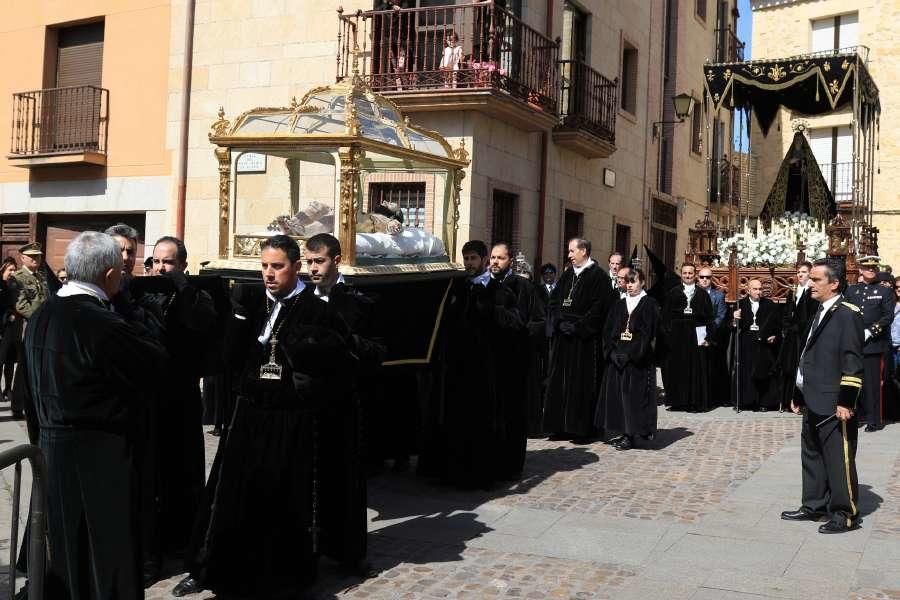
x: 696, y: 129
x: 663, y: 233
x: 701, y: 9
x: 503, y: 227
x: 410, y: 197
x: 623, y: 239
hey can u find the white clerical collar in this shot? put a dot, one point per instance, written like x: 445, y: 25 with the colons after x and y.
x: 631, y: 302
x: 578, y: 270
x: 81, y: 288
x: 322, y: 296
x: 267, y: 331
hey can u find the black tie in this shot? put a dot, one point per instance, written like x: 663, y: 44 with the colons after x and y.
x: 815, y: 324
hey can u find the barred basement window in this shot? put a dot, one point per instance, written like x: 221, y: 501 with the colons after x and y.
x: 409, y: 196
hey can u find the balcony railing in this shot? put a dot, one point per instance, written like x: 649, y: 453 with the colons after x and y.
x: 727, y: 181
x: 728, y: 47
x: 587, y: 100
x: 458, y: 47
x: 59, y: 121
x: 839, y: 178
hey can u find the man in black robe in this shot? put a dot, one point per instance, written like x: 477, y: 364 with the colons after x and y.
x: 175, y: 470
x: 796, y: 316
x: 464, y: 442
x: 343, y: 519
x: 578, y: 311
x: 686, y: 309
x: 540, y: 351
x: 290, y: 353
x: 86, y: 382
x: 506, y: 302
x: 757, y: 321
x: 627, y: 404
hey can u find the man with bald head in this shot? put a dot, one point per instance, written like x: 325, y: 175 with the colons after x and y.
x: 758, y: 324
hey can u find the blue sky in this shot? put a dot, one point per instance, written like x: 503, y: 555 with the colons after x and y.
x: 744, y: 26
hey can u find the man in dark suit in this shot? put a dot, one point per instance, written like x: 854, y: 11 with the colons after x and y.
x: 876, y: 303
x: 829, y: 380
x: 547, y: 285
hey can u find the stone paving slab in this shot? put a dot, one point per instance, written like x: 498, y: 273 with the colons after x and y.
x: 696, y: 517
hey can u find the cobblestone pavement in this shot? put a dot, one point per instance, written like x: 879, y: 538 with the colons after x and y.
x: 692, y: 515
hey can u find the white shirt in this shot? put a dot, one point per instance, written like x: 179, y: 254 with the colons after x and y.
x: 631, y: 302
x: 754, y: 307
x: 323, y: 296
x: 81, y: 288
x: 826, y: 306
x: 799, y: 293
x: 586, y: 264
x: 267, y: 331
x: 549, y: 287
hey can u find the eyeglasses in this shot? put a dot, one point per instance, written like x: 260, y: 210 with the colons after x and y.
x: 704, y: 276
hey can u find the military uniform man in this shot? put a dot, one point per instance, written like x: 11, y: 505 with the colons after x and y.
x: 876, y: 303
x: 30, y: 291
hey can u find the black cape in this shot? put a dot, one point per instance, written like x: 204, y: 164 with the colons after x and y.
x: 628, y: 393
x: 795, y: 319
x: 575, y: 364
x: 685, y: 371
x: 756, y: 375
x: 539, y: 362
x: 268, y: 462
x: 86, y: 368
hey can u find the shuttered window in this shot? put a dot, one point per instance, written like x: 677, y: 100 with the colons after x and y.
x: 79, y: 58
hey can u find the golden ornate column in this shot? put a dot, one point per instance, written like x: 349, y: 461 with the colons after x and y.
x: 223, y: 155
x: 350, y: 159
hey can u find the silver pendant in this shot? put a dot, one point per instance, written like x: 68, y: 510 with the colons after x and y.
x: 688, y: 311
x: 567, y: 302
x: 626, y: 336
x: 270, y: 370
x: 754, y: 327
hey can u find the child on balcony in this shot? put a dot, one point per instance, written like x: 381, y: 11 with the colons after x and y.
x: 451, y: 60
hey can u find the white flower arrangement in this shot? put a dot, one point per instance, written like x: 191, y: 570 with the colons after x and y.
x: 779, y: 246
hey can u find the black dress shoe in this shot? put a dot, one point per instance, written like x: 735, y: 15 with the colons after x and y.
x: 873, y: 428
x: 801, y: 514
x: 838, y: 526
x: 186, y: 586
x: 18, y: 415
x: 557, y: 437
x: 625, y: 443
x: 215, y: 431
x: 614, y: 441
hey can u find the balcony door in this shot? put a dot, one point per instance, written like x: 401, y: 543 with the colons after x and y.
x: 833, y: 149
x: 572, y: 51
x: 70, y: 111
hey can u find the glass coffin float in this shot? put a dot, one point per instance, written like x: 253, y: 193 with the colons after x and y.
x: 343, y: 161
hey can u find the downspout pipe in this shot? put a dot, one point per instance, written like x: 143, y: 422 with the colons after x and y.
x: 542, y: 183
x: 185, y: 118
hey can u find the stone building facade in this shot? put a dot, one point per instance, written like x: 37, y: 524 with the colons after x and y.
x: 784, y: 28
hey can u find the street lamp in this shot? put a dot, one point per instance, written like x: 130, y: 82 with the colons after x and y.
x: 684, y: 106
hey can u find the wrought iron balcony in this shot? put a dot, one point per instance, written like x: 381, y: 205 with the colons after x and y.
x: 729, y: 48
x: 465, y: 56
x: 725, y: 184
x: 587, y: 110
x: 59, y: 126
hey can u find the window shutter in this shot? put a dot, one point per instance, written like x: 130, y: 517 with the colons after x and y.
x: 822, y: 35
x: 79, y: 58
x: 849, y: 30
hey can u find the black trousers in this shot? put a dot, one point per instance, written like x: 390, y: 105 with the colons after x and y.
x: 872, y: 397
x: 828, y: 457
x: 93, y: 540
